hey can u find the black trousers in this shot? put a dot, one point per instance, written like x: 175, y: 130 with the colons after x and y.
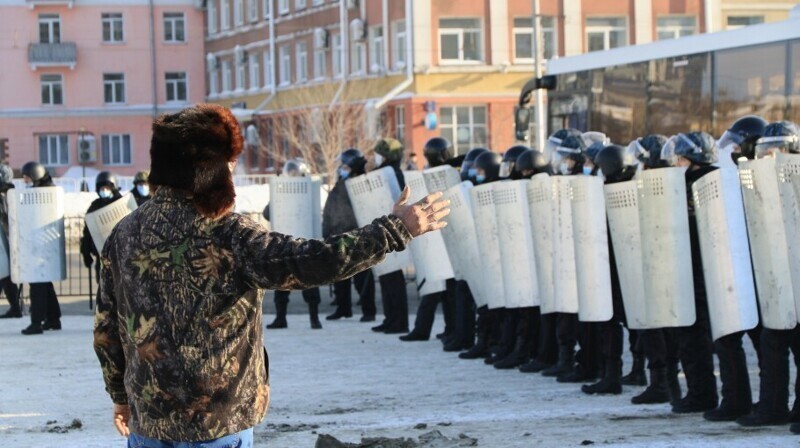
x: 11, y: 291
x: 659, y: 346
x: 365, y: 285
x: 547, y: 350
x: 611, y: 333
x: 395, y: 300
x: 464, y: 325
x: 696, y: 350
x: 426, y: 311
x: 733, y: 373
x: 528, y: 330
x: 311, y: 296
x: 44, y: 303
x: 774, y: 375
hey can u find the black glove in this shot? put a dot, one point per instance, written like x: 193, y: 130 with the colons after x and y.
x: 88, y: 261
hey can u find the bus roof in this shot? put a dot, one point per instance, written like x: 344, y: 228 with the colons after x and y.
x: 698, y: 43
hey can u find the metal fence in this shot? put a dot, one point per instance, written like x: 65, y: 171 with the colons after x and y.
x: 73, y: 184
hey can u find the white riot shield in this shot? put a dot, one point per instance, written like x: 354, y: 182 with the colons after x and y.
x: 516, y: 244
x: 565, y: 277
x: 428, y: 251
x: 725, y: 252
x: 765, y: 227
x: 441, y: 178
x: 788, y: 165
x: 36, y: 235
x: 101, y: 222
x: 666, y: 249
x: 591, y: 249
x: 372, y: 196
x: 485, y: 217
x: 622, y: 206
x: 294, y: 206
x: 461, y: 241
x: 540, y: 205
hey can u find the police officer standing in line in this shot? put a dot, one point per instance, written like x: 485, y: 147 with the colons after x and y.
x: 338, y: 217
x: 107, y: 189
x: 388, y: 152
x: 294, y: 168
x: 468, y: 171
x: 10, y: 289
x: 141, y: 188
x: 45, y: 310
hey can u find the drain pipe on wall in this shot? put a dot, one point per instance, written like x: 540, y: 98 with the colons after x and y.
x: 409, y: 58
x: 344, y: 29
x: 153, y: 74
x: 272, y: 84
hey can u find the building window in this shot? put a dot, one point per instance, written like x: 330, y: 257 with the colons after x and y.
x: 320, y: 68
x: 299, y: 4
x: 735, y: 22
x: 49, y: 29
x: 285, y: 77
x: 267, y: 69
x: 211, y: 17
x: 112, y: 27
x: 54, y: 150
x: 266, y: 8
x: 176, y: 87
x: 174, y: 27
x: 225, y: 15
x: 302, y: 61
x: 252, y: 10
x: 675, y: 26
x: 605, y: 33
x: 240, y: 74
x: 226, y: 76
x: 114, y: 88
x: 318, y: 2
x: 358, y: 58
x: 238, y: 12
x: 213, y: 80
x: 400, y: 123
x: 52, y: 90
x: 523, y: 39
x: 336, y: 55
x: 116, y: 149
x: 460, y: 40
x: 399, y: 44
x: 255, y: 71
x: 376, y: 49
x: 465, y: 126
x: 283, y: 7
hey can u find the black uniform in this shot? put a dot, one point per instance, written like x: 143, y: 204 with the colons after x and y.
x: 88, y: 249
x: 45, y: 310
x: 10, y: 289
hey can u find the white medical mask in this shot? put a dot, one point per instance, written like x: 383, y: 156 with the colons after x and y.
x: 105, y: 193
x: 343, y: 174
x: 144, y: 190
x: 378, y: 159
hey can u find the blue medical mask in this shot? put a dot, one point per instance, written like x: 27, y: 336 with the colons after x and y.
x: 144, y: 190
x: 480, y: 178
x: 587, y: 171
x: 472, y: 172
x: 343, y: 174
x: 105, y: 193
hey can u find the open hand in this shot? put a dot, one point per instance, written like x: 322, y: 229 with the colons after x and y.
x: 424, y: 216
x: 122, y: 413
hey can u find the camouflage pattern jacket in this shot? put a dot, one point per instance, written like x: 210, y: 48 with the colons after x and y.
x: 178, y: 326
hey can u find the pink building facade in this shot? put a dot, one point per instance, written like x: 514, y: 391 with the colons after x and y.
x: 83, y: 79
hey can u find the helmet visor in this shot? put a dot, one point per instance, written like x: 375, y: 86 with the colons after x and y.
x: 505, y: 169
x: 730, y: 138
x: 635, y: 152
x: 596, y: 137
x: 767, y: 146
x: 674, y: 148
x: 550, y: 146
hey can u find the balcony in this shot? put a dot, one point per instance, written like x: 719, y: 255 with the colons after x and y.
x: 53, y: 55
x: 34, y: 3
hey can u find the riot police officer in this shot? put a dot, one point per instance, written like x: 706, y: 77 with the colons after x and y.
x: 338, y: 217
x: 107, y: 188
x: 10, y: 289
x: 141, y: 188
x: 467, y: 169
x: 508, y: 167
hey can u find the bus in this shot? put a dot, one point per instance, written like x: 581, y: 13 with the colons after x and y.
x: 697, y: 83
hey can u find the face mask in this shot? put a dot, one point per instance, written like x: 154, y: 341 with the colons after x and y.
x: 587, y: 171
x: 564, y: 169
x: 480, y: 178
x: 343, y: 174
x: 144, y: 190
x: 378, y: 159
x: 105, y: 194
x: 472, y: 172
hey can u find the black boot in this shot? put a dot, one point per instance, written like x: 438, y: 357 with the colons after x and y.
x: 795, y: 428
x: 657, y: 391
x: 565, y: 364
x: 338, y: 314
x: 280, y: 315
x: 611, y: 382
x: 479, y: 350
x: 673, y: 383
x: 725, y: 413
x: 637, y: 376
x: 690, y: 404
x: 313, y: 315
x: 33, y: 329
x: 414, y: 336
x: 11, y: 313
x: 51, y: 324
x: 763, y: 419
x: 516, y: 358
x: 534, y: 366
x: 579, y: 374
x: 455, y: 345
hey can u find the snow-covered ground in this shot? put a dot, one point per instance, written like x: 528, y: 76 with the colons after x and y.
x: 349, y: 382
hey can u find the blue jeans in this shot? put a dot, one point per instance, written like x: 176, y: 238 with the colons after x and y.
x: 242, y: 439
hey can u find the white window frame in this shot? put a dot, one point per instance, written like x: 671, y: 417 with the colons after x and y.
x: 61, y: 149
x: 606, y: 30
x: 51, y: 87
x: 471, y: 124
x: 376, y: 53
x: 50, y: 20
x: 320, y: 63
x: 675, y: 30
x: 117, y: 21
x: 317, y: 2
x: 552, y: 31
x: 300, y: 5
x: 252, y: 10
x: 301, y: 60
x: 255, y: 70
x: 238, y: 12
x: 336, y: 55
x: 285, y: 66
x: 358, y: 53
x: 213, y: 81
x: 174, y: 84
x: 174, y: 19
x: 211, y: 17
x: 226, y: 76
x: 460, y: 32
x: 267, y: 69
x: 266, y: 5
x: 225, y: 15
x: 283, y: 7
x: 113, y: 84
x: 240, y: 78
x: 399, y: 35
x: 400, y: 123
x: 120, y: 139
x: 742, y: 16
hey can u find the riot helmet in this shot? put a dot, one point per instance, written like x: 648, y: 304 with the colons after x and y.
x: 699, y: 148
x: 467, y: 169
x: 555, y: 139
x: 35, y: 171
x: 487, y: 167
x: 647, y: 150
x: 613, y: 165
x: 296, y: 168
x: 508, y: 168
x: 589, y: 165
x: 389, y: 150
x: 438, y: 150
x: 781, y: 136
x: 568, y: 156
x: 106, y: 184
x: 352, y: 163
x: 531, y: 163
x: 141, y: 177
x: 742, y: 137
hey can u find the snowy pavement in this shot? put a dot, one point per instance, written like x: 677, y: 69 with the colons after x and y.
x: 349, y: 382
